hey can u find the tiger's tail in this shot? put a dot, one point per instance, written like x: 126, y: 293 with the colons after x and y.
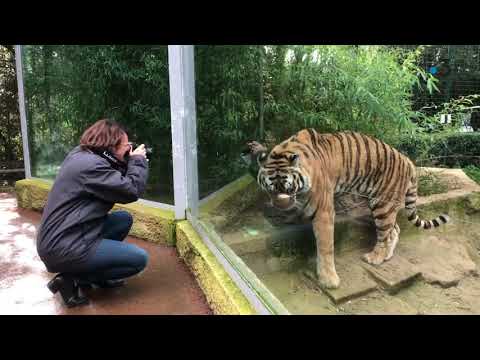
x: 411, y: 207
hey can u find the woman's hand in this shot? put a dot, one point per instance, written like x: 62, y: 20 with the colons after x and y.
x: 139, y: 151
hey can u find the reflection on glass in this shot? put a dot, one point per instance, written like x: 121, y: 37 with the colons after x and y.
x: 67, y: 88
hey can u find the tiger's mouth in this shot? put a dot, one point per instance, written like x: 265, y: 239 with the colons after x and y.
x: 283, y: 201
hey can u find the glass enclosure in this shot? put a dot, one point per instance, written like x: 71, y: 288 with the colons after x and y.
x: 265, y: 93
x: 67, y: 88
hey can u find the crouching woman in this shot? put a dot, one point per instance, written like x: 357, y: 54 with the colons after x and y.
x: 78, y: 238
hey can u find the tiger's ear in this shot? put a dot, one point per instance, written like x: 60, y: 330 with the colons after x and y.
x: 294, y: 159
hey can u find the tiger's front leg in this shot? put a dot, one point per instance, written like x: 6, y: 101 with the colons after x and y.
x: 323, y: 224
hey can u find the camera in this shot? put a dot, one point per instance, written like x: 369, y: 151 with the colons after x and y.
x: 148, y: 149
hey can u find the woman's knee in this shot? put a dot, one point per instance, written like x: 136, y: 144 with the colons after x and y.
x: 125, y: 217
x: 140, y: 260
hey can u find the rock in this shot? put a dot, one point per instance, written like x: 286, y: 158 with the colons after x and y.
x: 394, y: 274
x: 354, y: 280
x: 440, y: 261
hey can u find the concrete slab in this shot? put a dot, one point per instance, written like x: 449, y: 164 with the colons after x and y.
x: 394, y: 274
x: 441, y: 259
x: 355, y: 281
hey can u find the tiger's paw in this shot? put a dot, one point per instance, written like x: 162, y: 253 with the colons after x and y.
x: 375, y: 257
x: 331, y: 281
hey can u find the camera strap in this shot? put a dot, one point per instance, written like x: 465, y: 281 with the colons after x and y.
x: 116, y: 164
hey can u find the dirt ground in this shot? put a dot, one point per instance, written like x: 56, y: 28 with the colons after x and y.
x: 432, y: 272
x: 166, y: 287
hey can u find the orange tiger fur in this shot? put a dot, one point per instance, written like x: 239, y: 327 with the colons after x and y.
x: 307, y: 170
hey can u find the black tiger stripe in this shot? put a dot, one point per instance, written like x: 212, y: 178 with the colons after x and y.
x: 275, y: 165
x: 368, y: 164
x: 374, y: 176
x: 418, y: 223
x: 443, y: 218
x: 313, y: 139
x: 314, y: 213
x: 390, y: 172
x: 380, y: 178
x: 402, y: 174
x: 412, y: 216
x: 384, y: 228
x: 350, y: 158
x: 435, y: 223
x: 393, y: 185
x: 330, y: 145
x: 385, y: 174
x: 358, y: 155
x: 276, y: 156
x: 340, y: 140
x: 379, y: 205
x: 306, y: 148
x: 385, y: 215
x: 305, y: 154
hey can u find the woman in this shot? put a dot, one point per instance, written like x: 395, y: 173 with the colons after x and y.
x: 77, y: 238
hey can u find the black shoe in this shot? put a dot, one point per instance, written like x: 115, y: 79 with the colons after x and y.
x: 107, y: 284
x: 110, y: 284
x: 68, y: 290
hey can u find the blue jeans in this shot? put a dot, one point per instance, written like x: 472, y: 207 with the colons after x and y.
x: 114, y: 259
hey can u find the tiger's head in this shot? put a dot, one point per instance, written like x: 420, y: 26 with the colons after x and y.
x: 282, y: 176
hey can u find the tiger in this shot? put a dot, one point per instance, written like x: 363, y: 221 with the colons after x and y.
x: 308, y: 170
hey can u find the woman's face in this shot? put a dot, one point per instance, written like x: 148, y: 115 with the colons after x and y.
x: 123, y: 148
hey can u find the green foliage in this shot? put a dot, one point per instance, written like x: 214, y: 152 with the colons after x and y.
x: 415, y: 145
x: 456, y: 149
x: 430, y: 183
x: 458, y: 108
x: 69, y: 87
x: 473, y: 172
x: 10, y: 139
x: 331, y: 88
x: 251, y: 92
x: 445, y: 149
x: 242, y: 93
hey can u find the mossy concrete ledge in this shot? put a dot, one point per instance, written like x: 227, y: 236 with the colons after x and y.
x: 223, y: 296
x: 150, y: 223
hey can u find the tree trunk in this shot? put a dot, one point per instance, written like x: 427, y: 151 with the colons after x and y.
x: 261, y: 95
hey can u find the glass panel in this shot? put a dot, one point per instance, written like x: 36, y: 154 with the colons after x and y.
x: 268, y: 94
x: 67, y: 88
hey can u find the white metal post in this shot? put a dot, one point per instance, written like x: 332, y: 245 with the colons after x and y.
x: 184, y: 149
x: 184, y: 131
x: 22, y: 109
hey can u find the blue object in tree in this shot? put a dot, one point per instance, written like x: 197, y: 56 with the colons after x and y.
x: 433, y: 70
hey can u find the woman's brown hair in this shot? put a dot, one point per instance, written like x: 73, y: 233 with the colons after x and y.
x: 105, y: 134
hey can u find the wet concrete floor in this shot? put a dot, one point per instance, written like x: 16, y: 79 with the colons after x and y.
x: 166, y: 287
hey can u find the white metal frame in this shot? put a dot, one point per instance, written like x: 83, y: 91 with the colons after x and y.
x: 184, y: 128
x: 23, y: 111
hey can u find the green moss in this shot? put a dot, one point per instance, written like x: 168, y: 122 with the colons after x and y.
x: 225, y: 205
x: 222, y: 294
x: 150, y: 223
x: 32, y: 193
x: 226, y: 193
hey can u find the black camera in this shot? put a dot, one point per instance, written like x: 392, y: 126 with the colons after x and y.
x: 148, y: 150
